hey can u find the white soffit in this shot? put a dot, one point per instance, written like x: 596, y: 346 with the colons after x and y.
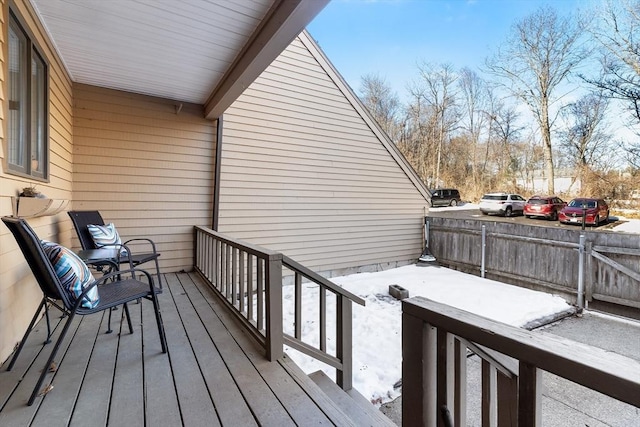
x: 181, y: 50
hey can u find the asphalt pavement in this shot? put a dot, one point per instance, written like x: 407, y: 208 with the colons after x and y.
x: 564, y: 403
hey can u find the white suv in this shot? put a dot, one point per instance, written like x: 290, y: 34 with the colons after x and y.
x: 502, y: 204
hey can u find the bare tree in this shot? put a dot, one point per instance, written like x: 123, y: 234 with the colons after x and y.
x: 474, y: 98
x: 586, y: 138
x: 436, y: 90
x: 382, y: 103
x: 418, y: 142
x: 505, y: 132
x: 541, y: 52
x: 617, y: 31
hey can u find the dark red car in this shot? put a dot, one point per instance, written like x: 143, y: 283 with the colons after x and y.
x: 596, y: 210
x: 544, y: 207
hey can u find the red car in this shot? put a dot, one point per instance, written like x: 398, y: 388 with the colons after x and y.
x: 544, y: 206
x: 596, y: 211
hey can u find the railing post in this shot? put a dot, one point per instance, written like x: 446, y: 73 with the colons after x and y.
x: 419, y: 376
x: 484, y: 250
x: 529, y: 398
x: 581, y: 273
x: 344, y: 350
x: 274, y: 331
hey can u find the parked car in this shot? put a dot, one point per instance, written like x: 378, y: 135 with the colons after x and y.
x: 506, y: 204
x: 445, y: 197
x: 596, y: 211
x: 544, y: 206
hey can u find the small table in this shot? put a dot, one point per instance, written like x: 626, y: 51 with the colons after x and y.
x: 100, y: 257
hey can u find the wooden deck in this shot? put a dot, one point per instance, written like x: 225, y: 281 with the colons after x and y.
x: 212, y: 375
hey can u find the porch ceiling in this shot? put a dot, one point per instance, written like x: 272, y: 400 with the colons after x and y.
x: 200, y: 51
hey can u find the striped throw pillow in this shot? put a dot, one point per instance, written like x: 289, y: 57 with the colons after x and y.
x: 106, y: 235
x: 72, y: 272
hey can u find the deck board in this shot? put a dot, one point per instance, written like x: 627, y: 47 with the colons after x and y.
x: 264, y: 404
x: 221, y: 383
x: 94, y: 400
x: 213, y: 374
x: 127, y: 400
x: 162, y: 400
x: 298, y: 404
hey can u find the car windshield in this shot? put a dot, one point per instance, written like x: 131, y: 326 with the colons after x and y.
x: 495, y: 197
x: 579, y: 203
x: 538, y: 201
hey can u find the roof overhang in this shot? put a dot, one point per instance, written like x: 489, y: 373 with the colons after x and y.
x: 204, y: 52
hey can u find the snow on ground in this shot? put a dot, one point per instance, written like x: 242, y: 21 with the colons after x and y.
x: 377, y: 338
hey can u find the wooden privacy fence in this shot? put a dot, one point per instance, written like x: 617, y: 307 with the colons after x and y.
x: 249, y: 280
x: 435, y: 340
x: 580, y: 265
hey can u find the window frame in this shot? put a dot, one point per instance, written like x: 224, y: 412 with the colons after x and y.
x: 31, y: 123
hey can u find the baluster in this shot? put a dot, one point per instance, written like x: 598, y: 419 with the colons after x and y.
x: 227, y: 271
x: 234, y: 276
x: 460, y: 393
x: 489, y: 394
x: 260, y: 292
x: 250, y: 288
x: 445, y: 376
x: 243, y: 281
x: 298, y: 305
x: 216, y: 263
x: 322, y: 301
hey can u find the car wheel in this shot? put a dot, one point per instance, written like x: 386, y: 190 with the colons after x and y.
x: 485, y: 213
x: 454, y: 202
x: 508, y: 211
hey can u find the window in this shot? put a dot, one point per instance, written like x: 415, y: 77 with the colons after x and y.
x: 27, y: 122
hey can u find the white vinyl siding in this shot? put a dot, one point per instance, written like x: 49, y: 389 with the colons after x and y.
x: 304, y: 173
x: 147, y: 165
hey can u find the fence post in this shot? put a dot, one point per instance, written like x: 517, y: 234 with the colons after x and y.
x: 484, y: 245
x: 274, y: 333
x: 581, y: 273
x: 426, y: 232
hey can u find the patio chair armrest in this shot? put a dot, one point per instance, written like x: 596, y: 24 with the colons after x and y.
x: 117, y: 274
x: 143, y: 239
x: 104, y: 280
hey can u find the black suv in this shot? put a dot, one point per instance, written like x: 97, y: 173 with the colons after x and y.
x: 445, y: 197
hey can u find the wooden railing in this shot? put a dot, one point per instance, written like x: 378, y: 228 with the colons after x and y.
x: 435, y: 342
x: 249, y: 279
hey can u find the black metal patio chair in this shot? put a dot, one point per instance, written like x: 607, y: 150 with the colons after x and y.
x: 116, y: 288
x: 81, y: 221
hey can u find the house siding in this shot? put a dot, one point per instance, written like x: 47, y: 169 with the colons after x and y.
x: 147, y: 164
x: 19, y: 294
x: 305, y: 171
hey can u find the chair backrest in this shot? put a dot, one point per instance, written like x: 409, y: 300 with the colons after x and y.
x: 38, y: 261
x: 81, y: 219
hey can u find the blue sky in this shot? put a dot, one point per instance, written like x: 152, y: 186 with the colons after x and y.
x: 390, y: 37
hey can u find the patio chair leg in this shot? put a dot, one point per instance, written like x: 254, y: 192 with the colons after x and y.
x: 156, y: 308
x: 26, y: 334
x: 109, y: 330
x: 158, y: 273
x: 45, y: 370
x: 126, y: 312
x: 46, y: 314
